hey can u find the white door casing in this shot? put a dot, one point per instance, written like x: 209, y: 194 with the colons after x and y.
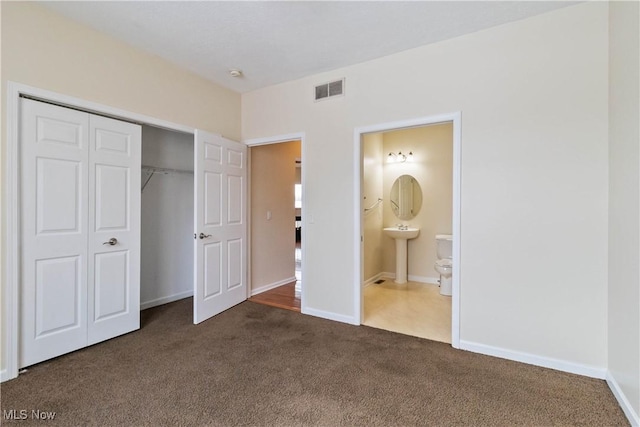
x: 114, y: 213
x: 220, y: 230
x: 72, y: 291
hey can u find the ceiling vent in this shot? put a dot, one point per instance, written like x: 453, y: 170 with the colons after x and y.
x: 329, y: 90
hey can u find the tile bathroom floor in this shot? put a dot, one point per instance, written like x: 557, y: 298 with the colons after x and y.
x: 413, y: 308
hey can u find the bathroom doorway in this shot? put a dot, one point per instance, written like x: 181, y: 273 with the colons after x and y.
x: 276, y: 224
x: 409, y: 185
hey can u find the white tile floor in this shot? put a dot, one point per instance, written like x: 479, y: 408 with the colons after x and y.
x: 413, y: 308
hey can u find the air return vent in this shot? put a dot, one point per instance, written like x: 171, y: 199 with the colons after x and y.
x: 328, y: 90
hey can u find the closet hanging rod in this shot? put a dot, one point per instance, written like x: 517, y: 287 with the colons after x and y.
x: 164, y: 170
x: 152, y: 170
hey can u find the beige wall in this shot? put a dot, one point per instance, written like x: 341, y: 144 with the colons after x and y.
x: 533, y: 97
x: 45, y: 50
x: 48, y: 51
x: 624, y: 200
x: 372, y: 189
x: 432, y: 167
x: 273, y: 176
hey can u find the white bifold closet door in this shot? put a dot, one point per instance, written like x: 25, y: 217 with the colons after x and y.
x: 80, y: 230
x: 220, y: 228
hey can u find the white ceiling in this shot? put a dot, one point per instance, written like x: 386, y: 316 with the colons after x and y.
x: 277, y: 41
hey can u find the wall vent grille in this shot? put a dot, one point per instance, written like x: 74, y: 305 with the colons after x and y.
x: 329, y: 90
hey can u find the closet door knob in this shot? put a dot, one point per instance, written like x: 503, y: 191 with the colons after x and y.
x: 112, y: 241
x: 204, y: 236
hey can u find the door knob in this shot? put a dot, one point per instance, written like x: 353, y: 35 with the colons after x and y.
x: 112, y: 241
x: 204, y: 236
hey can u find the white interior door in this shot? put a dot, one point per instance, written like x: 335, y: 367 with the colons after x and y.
x: 53, y: 294
x: 114, y: 224
x: 220, y: 230
x: 80, y: 181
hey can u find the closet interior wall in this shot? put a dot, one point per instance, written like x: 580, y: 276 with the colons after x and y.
x: 167, y: 217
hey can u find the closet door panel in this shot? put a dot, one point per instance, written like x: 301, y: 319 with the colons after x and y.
x: 54, y: 231
x: 58, y: 294
x: 114, y: 222
x: 56, y: 130
x: 58, y: 201
x: 111, y: 284
x: 112, y: 188
x: 107, y: 141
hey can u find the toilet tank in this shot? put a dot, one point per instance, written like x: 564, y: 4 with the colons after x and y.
x: 444, y: 246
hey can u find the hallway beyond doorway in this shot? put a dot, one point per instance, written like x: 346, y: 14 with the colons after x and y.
x: 285, y: 296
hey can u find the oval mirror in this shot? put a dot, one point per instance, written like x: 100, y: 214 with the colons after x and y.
x: 406, y: 197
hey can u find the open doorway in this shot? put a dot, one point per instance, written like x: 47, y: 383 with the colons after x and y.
x: 276, y: 224
x: 167, y: 253
x: 401, y: 159
x: 407, y: 191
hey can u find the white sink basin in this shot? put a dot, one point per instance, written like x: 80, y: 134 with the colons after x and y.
x: 401, y: 236
x: 396, y: 233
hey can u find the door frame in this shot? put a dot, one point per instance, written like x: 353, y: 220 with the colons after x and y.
x: 276, y: 140
x: 11, y: 198
x: 455, y: 118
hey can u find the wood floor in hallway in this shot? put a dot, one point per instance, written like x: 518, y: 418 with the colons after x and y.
x: 284, y: 296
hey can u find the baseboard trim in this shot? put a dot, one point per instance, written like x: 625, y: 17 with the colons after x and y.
x: 410, y: 277
x: 532, y: 359
x: 165, y: 300
x: 624, y: 403
x: 424, y: 279
x: 329, y: 315
x: 369, y: 281
x: 273, y: 285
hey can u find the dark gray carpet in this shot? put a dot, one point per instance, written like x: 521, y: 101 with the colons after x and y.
x: 258, y: 365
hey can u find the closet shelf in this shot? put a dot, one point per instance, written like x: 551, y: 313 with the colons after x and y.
x: 152, y: 170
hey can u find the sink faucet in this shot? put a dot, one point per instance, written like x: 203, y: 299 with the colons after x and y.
x: 402, y: 227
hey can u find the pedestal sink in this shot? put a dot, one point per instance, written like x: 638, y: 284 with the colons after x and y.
x: 401, y: 235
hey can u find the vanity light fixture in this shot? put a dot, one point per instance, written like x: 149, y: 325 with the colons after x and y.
x: 400, y: 158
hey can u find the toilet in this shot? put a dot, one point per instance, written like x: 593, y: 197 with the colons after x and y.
x: 444, y: 266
